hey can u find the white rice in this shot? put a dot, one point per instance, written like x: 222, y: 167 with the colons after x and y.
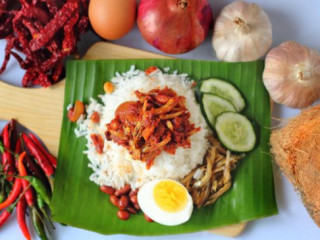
x: 115, y: 167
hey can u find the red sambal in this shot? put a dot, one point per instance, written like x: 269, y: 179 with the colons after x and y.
x: 158, y: 121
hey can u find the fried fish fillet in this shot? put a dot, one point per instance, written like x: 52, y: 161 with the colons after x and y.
x: 296, y: 149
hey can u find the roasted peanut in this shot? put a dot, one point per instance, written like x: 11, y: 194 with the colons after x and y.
x: 136, y: 206
x: 107, y: 189
x: 133, y: 192
x: 132, y: 210
x: 134, y: 199
x: 108, y: 87
x: 123, y: 215
x: 122, y: 191
x: 123, y: 202
x: 114, y: 200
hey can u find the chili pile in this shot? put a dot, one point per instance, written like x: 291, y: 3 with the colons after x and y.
x: 26, y: 169
x: 45, y: 32
x: 21, y: 217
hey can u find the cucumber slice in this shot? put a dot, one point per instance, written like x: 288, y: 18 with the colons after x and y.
x: 235, y: 132
x: 225, y: 90
x: 213, y: 106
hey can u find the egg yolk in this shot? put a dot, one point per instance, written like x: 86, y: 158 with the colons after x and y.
x: 170, y: 196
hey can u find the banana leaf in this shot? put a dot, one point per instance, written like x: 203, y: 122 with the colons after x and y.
x: 79, y: 202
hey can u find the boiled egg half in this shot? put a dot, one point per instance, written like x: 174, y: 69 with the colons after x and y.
x: 166, y: 202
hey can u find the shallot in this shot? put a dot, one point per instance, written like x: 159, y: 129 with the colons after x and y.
x: 292, y: 75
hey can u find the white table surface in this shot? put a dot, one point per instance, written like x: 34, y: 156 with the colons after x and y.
x: 291, y: 20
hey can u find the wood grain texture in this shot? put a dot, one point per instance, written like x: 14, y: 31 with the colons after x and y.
x: 229, y: 231
x: 40, y: 110
x: 103, y: 50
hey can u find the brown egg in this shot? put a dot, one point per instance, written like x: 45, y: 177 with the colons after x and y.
x: 112, y: 19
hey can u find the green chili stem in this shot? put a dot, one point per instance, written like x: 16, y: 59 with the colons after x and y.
x: 3, y: 148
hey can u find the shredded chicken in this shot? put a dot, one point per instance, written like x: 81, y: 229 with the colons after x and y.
x: 207, y: 182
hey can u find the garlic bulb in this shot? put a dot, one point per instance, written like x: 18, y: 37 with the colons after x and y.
x: 242, y: 32
x: 292, y: 75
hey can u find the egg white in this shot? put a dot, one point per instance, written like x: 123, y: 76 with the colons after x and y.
x: 149, y: 206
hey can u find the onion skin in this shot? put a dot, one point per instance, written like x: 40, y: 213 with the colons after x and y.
x: 174, y: 26
x: 292, y: 75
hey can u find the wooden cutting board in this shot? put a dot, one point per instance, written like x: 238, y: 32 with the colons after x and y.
x: 40, y: 110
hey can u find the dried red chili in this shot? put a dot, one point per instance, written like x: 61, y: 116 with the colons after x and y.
x: 59, y: 20
x: 45, y: 32
x: 6, y: 16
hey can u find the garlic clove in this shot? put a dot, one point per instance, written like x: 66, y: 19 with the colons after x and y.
x: 292, y: 75
x: 242, y: 32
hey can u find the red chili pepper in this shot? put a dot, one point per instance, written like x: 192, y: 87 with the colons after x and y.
x: 35, y: 12
x: 6, y: 137
x: 7, y: 53
x: 18, y: 147
x: 22, y: 172
x: 53, y: 26
x: 12, y: 134
x: 51, y: 158
x: 7, y: 160
x: 4, y: 216
x: 53, y: 6
x: 21, y: 217
x: 34, y: 27
x: 57, y: 71
x: 50, y: 28
x: 34, y: 169
x: 69, y: 36
x: 18, y: 150
x: 41, y: 159
x: 16, y: 190
x: 6, y: 19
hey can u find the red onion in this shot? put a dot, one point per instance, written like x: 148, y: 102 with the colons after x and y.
x: 174, y: 26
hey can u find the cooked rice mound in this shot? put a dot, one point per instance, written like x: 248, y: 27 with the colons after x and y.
x: 115, y: 167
